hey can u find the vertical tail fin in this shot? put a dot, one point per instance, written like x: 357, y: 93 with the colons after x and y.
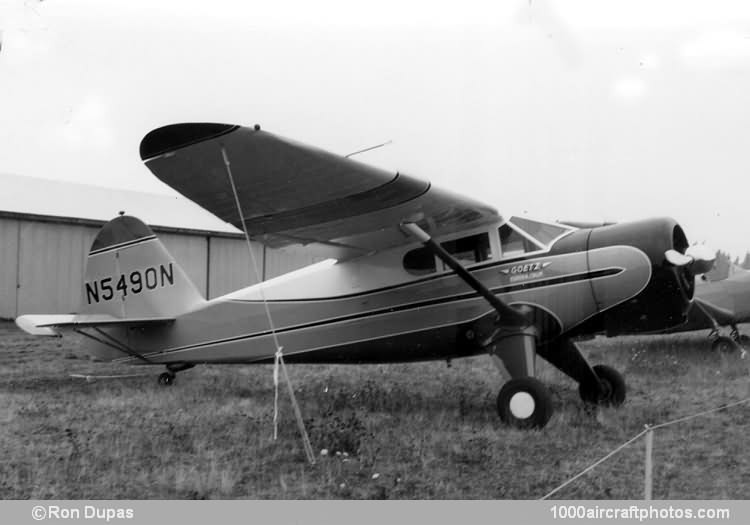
x: 130, y: 274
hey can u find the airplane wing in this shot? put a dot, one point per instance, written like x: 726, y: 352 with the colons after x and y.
x: 51, y: 324
x: 294, y: 194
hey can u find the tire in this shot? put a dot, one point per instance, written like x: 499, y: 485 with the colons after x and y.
x: 524, y: 403
x: 166, y: 379
x: 612, y: 391
x: 723, y: 344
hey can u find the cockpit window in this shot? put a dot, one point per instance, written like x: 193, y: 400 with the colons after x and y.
x: 543, y: 232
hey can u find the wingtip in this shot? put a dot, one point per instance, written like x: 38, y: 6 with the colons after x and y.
x: 174, y: 136
x: 30, y: 325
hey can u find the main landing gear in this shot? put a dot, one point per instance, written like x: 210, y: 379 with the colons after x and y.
x: 167, y: 378
x: 525, y: 402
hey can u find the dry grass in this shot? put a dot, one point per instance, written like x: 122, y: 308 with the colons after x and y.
x: 427, y: 431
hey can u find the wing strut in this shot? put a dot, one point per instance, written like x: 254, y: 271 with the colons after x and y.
x: 510, y: 336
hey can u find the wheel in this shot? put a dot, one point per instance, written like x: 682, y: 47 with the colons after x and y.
x: 524, y: 402
x: 723, y: 344
x: 744, y: 340
x: 166, y: 379
x: 610, y: 391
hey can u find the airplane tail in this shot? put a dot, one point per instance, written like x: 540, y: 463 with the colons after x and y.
x: 130, y: 280
x: 131, y: 275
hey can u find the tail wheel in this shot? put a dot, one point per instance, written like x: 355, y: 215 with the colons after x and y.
x: 723, y: 344
x: 166, y: 379
x: 609, y: 392
x: 524, y: 402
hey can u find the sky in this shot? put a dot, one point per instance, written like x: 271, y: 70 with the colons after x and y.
x: 570, y: 110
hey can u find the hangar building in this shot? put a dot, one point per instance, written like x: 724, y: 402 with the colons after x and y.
x: 47, y: 227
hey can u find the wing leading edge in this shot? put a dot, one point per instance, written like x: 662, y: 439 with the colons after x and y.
x: 294, y: 194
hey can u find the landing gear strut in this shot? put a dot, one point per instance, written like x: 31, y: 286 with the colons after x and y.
x: 740, y: 339
x: 599, y: 384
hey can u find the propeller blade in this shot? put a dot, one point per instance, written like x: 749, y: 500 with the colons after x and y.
x: 699, y: 257
x: 676, y: 258
x: 703, y: 257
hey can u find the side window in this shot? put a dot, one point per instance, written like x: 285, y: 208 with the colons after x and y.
x: 469, y: 250
x: 466, y: 250
x: 513, y: 243
x: 420, y: 261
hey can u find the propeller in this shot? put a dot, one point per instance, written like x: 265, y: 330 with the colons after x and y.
x: 699, y: 257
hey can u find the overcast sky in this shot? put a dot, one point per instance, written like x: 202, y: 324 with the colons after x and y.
x: 583, y: 110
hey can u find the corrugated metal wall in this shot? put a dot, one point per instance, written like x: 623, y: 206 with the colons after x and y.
x: 191, y: 252
x: 9, y: 230
x: 42, y: 264
x: 52, y: 260
x: 230, y: 267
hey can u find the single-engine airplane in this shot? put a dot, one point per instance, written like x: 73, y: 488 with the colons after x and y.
x: 720, y: 303
x: 418, y: 273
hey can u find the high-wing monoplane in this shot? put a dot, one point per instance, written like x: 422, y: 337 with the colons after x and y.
x: 413, y: 273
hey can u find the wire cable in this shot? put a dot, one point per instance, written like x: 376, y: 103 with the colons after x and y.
x: 638, y: 436
x: 278, y: 356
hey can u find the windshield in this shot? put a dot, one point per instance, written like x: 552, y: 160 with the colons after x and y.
x: 520, y: 235
x: 544, y: 233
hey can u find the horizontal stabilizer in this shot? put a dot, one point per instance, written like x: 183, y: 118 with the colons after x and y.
x: 51, y: 324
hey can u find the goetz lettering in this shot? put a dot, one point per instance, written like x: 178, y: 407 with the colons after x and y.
x: 525, y: 268
x: 135, y: 282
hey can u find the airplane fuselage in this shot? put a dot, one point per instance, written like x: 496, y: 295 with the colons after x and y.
x: 360, y: 311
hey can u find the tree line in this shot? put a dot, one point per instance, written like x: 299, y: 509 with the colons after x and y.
x: 724, y: 266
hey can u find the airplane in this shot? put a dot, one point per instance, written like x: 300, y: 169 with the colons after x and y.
x: 413, y: 273
x: 720, y: 303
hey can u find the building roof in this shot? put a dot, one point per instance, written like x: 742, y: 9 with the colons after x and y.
x: 51, y: 199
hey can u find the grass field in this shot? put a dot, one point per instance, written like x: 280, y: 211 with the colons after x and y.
x: 413, y: 431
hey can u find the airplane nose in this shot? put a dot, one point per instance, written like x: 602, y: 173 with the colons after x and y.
x: 665, y: 300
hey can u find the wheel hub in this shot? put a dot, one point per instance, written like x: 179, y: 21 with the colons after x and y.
x: 522, y: 405
x: 605, y: 390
